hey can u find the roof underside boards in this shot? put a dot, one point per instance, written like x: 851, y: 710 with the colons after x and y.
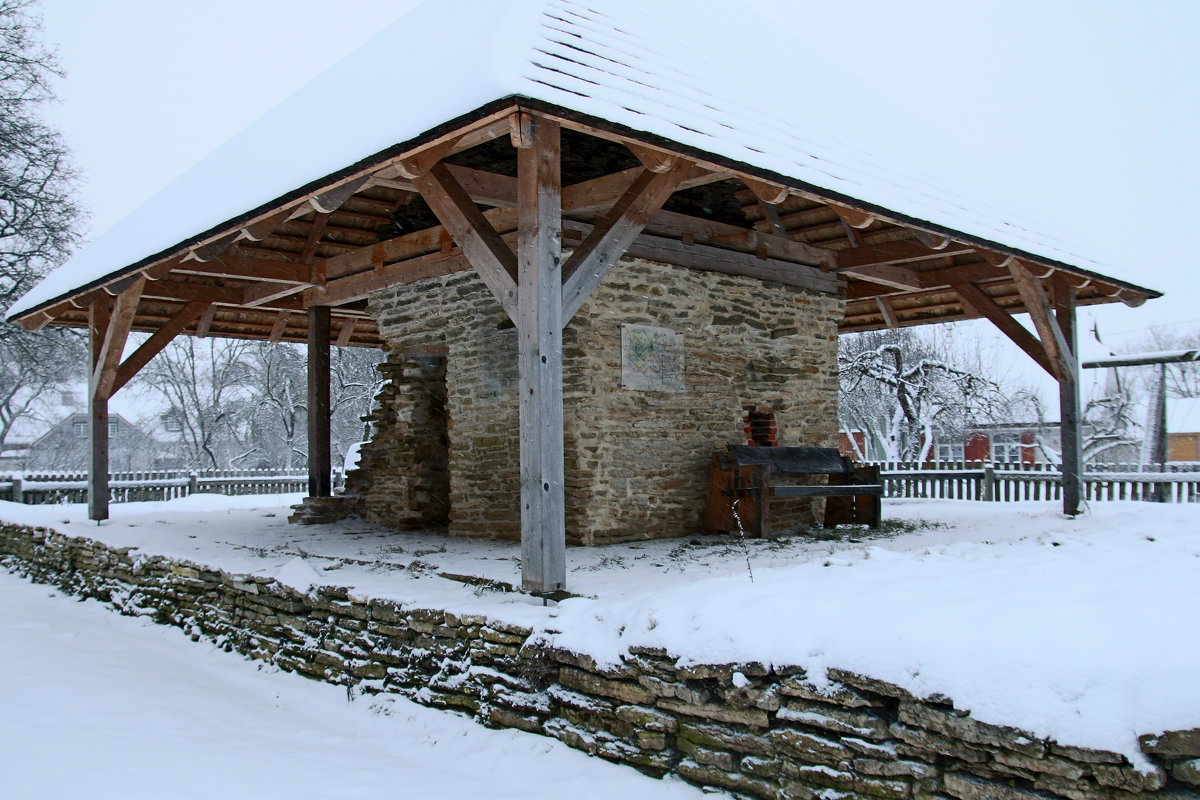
x: 285, y: 213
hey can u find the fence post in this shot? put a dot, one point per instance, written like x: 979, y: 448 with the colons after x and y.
x: 18, y: 488
x: 193, y: 482
x: 988, y: 489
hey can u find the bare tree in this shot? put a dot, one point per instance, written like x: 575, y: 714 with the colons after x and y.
x: 38, y: 218
x: 207, y: 385
x: 897, y: 388
x: 278, y: 427
x: 356, y: 381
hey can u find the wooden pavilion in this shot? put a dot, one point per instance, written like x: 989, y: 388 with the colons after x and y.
x: 586, y: 138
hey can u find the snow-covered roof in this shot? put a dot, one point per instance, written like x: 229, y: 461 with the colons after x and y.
x: 632, y: 64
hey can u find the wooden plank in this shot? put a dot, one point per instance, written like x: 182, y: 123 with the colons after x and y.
x: 319, y: 463
x: 1033, y: 294
x: 267, y: 293
x: 539, y: 321
x: 99, y: 321
x: 315, y: 232
x: 332, y: 199
x: 853, y: 217
x: 104, y: 371
x: 484, y: 248
x: 609, y: 239
x: 346, y: 331
x: 675, y: 225
x: 653, y: 159
x: 280, y: 326
x: 770, y: 193
x: 160, y: 339
x: 891, y: 275
x: 889, y: 313
x: 205, y: 322
x: 733, y: 262
x: 975, y: 297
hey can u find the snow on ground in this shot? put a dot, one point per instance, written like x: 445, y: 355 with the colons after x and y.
x: 1084, y: 630
x: 103, y: 706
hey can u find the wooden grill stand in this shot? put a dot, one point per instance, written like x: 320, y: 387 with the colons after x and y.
x: 743, y: 474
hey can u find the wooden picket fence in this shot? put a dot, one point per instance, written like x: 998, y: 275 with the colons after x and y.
x: 990, y: 482
x: 38, y: 488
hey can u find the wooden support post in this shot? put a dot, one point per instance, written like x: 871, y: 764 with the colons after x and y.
x: 539, y: 330
x: 318, y: 402
x: 1070, y: 416
x: 99, y: 319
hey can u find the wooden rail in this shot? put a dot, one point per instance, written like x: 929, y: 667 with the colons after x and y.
x: 39, y: 488
x: 1011, y: 482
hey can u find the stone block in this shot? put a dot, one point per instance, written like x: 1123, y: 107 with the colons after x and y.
x: 751, y: 717
x: 810, y: 748
x: 1187, y: 771
x: 970, y: 730
x: 1173, y: 744
x: 818, y: 715
x: 626, y: 692
x: 967, y: 787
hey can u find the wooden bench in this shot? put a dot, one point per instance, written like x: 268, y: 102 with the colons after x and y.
x: 744, y: 473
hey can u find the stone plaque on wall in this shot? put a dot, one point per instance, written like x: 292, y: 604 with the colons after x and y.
x: 651, y: 358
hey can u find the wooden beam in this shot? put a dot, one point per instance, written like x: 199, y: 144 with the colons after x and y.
x: 975, y: 297
x: 99, y: 323
x: 733, y: 262
x: 1069, y: 405
x: 770, y: 193
x: 207, y: 252
x: 418, y: 164
x: 315, y: 232
x: 160, y: 339
x: 319, y: 462
x: 35, y: 322
x: 331, y: 200
x: 488, y: 254
x: 889, y: 313
x: 346, y: 331
x: 853, y: 217
x: 245, y: 268
x: 901, y: 252
x: 539, y: 321
x: 609, y: 239
x: 657, y: 161
x: 1033, y: 294
x: 934, y: 241
x: 891, y: 275
x: 279, y: 327
x: 104, y: 371
x: 205, y: 322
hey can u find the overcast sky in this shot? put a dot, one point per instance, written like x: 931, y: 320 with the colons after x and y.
x: 1080, y: 115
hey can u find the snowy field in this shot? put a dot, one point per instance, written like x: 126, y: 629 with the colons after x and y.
x: 1084, y: 630
x: 108, y: 707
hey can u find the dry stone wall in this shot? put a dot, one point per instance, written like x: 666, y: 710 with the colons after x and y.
x: 636, y: 459
x: 758, y: 731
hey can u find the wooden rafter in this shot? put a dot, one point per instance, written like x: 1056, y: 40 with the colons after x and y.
x: 120, y: 323
x: 894, y: 276
x: 1033, y: 294
x: 611, y: 237
x: 986, y: 307
x: 484, y: 248
x: 888, y: 313
x: 155, y: 344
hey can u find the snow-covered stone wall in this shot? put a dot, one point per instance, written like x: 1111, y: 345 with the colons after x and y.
x: 659, y: 367
x: 757, y: 730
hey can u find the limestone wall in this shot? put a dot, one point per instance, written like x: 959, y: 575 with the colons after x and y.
x: 636, y: 460
x: 759, y: 731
